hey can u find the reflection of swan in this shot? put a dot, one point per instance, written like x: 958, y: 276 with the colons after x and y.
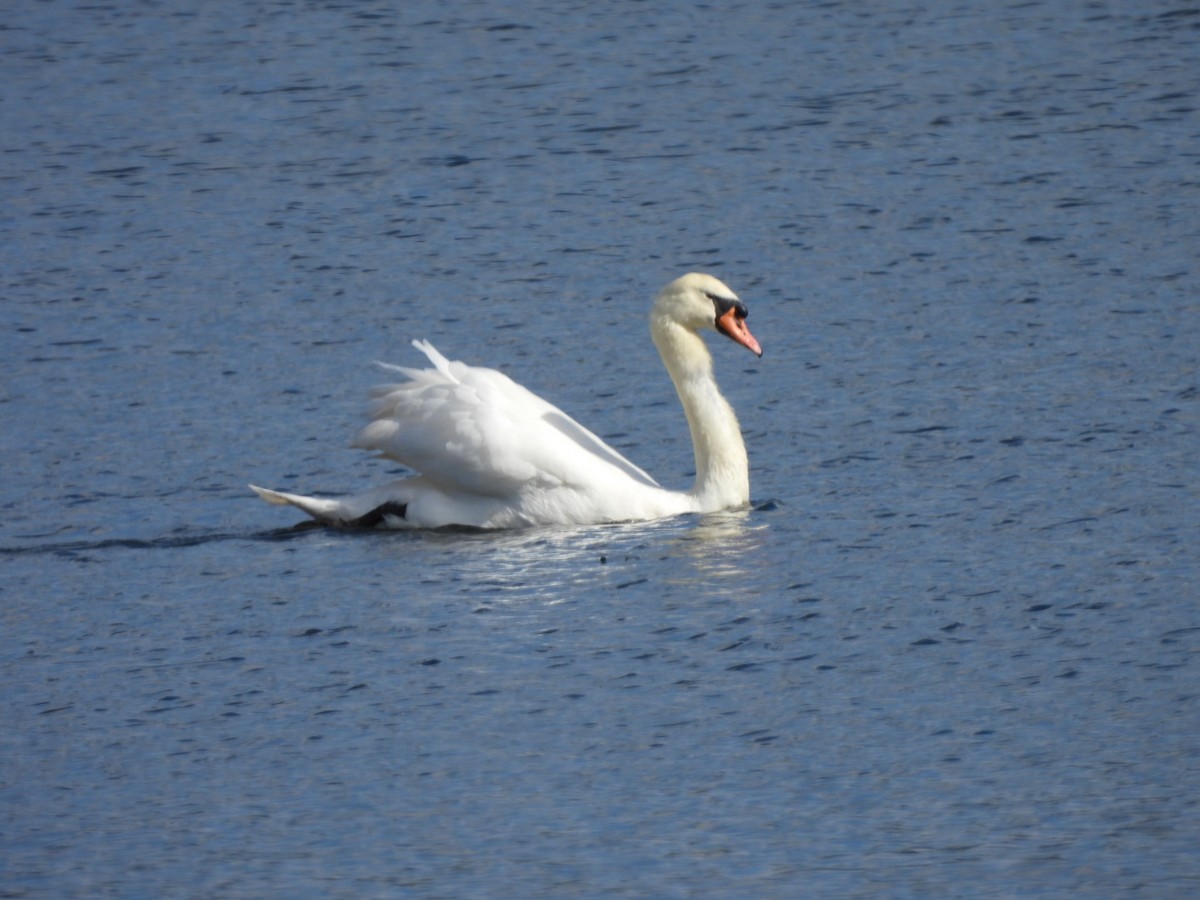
x: 551, y: 565
x: 491, y: 454
x: 716, y: 547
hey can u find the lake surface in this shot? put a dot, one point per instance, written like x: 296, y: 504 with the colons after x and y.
x: 952, y: 650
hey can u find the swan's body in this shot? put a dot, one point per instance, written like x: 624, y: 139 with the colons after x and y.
x: 492, y: 454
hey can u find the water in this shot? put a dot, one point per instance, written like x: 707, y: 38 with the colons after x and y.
x: 951, y: 651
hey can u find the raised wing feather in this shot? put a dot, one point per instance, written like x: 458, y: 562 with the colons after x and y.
x: 477, y: 430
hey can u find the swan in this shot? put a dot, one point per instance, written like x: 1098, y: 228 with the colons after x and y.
x: 491, y: 454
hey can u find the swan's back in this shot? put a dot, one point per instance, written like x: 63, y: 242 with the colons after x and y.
x: 475, y: 430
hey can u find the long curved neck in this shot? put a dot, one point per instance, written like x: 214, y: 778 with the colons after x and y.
x: 722, y: 469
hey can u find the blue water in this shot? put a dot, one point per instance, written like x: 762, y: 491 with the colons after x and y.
x: 950, y: 651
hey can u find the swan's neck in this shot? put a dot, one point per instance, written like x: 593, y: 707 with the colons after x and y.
x: 722, y: 470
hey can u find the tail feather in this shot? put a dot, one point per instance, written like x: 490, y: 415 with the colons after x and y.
x: 270, y: 496
x: 314, y: 506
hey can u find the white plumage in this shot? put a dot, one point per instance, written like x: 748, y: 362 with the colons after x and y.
x: 492, y: 454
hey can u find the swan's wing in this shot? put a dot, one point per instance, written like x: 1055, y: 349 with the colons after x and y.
x: 476, y: 430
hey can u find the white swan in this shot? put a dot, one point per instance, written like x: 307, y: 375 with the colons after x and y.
x: 492, y: 454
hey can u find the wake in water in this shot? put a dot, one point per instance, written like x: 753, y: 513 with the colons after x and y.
x: 169, y: 542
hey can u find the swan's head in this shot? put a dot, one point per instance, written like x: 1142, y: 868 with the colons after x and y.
x: 698, y: 301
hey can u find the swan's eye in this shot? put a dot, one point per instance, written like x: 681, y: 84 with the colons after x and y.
x: 724, y: 304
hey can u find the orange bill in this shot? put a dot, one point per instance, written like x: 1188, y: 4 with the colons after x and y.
x: 733, y: 326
